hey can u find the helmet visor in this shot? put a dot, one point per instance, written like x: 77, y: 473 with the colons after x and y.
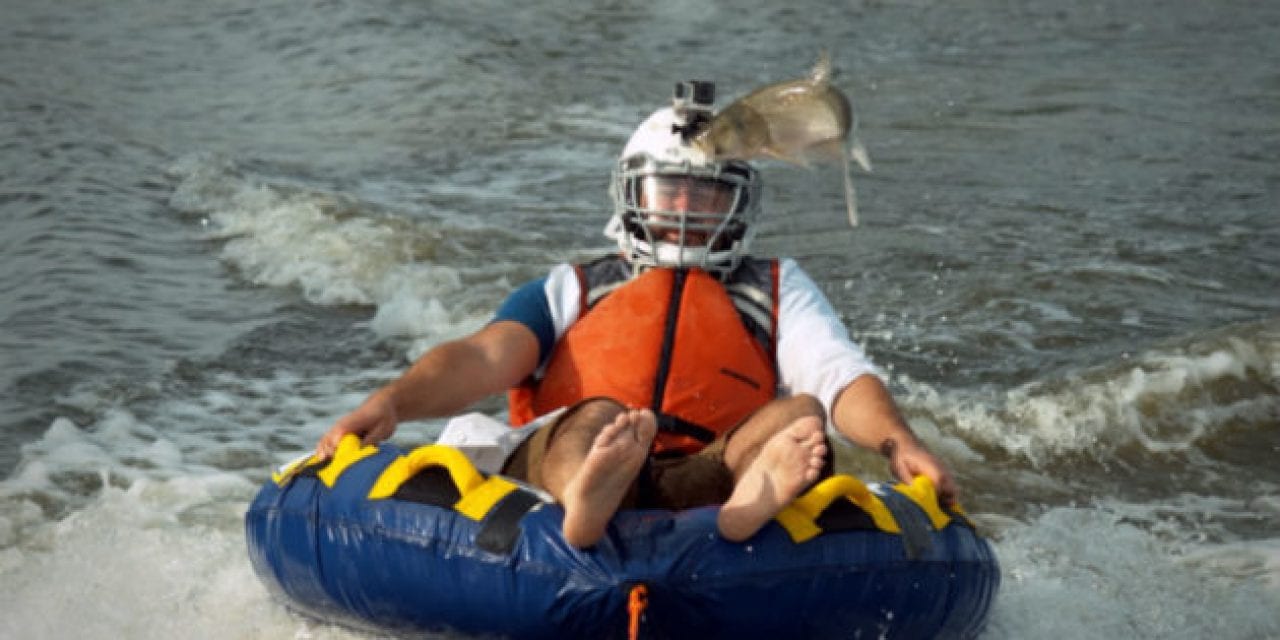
x: 686, y: 194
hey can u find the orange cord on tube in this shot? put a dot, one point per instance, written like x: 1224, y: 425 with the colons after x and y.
x: 636, y: 603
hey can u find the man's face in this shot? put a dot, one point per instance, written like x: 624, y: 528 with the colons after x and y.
x: 681, y: 194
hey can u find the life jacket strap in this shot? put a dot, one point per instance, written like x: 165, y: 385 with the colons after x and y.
x: 677, y: 425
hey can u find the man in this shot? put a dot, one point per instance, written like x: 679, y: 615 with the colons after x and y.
x: 690, y: 373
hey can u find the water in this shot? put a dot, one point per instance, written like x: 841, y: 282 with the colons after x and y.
x: 226, y: 222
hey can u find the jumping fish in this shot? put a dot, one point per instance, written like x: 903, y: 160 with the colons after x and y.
x: 793, y: 121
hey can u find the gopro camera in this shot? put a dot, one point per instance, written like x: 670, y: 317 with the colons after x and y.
x: 694, y: 95
x: 692, y: 100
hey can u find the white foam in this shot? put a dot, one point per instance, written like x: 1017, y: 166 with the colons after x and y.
x: 1087, y: 573
x: 411, y: 308
x: 132, y: 527
x: 147, y: 562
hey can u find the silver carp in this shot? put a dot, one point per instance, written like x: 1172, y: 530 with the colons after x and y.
x: 796, y: 121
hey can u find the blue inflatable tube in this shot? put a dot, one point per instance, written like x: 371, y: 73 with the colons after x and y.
x: 381, y: 539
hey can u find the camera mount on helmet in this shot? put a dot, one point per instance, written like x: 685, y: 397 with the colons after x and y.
x: 692, y: 101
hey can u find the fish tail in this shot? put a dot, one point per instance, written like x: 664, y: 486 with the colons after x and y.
x: 850, y: 196
x: 822, y: 68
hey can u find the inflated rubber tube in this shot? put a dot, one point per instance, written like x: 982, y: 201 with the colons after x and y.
x: 422, y: 542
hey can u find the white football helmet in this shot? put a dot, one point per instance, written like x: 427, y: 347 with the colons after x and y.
x: 676, y: 207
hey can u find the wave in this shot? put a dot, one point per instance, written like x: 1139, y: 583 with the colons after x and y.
x: 1175, y: 397
x: 429, y: 275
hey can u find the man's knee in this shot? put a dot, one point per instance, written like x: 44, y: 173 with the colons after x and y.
x: 588, y: 417
x: 556, y: 451
x: 598, y: 411
x: 801, y: 406
x: 770, y: 420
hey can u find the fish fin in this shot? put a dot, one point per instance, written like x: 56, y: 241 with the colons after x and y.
x: 822, y: 68
x: 859, y: 154
x: 850, y: 196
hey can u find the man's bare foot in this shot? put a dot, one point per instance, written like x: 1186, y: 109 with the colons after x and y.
x: 592, y: 496
x: 788, y: 462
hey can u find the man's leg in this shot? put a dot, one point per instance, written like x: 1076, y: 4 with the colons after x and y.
x: 593, y: 457
x: 774, y: 455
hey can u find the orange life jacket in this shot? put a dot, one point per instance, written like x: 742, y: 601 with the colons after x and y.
x: 680, y: 342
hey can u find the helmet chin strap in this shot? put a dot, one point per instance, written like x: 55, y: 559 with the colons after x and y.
x: 667, y: 254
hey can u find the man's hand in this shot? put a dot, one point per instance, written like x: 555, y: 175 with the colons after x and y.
x: 374, y: 421
x: 908, y: 459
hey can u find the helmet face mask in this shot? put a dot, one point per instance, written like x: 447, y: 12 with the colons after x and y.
x: 675, y: 208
